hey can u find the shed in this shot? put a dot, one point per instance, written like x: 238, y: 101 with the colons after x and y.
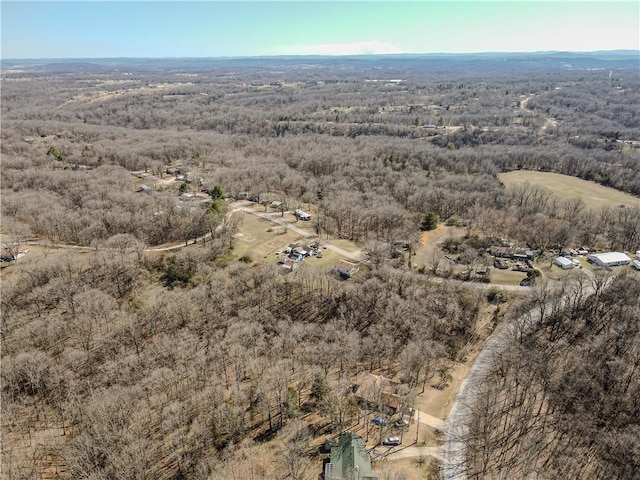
x: 346, y: 269
x: 609, y: 259
x: 289, y: 264
x: 564, y: 263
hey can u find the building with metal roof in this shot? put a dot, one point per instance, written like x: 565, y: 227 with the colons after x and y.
x: 349, y: 460
x: 564, y: 263
x: 609, y: 259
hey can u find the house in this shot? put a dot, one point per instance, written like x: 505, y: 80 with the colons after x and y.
x: 564, y: 263
x: 636, y: 264
x: 289, y: 264
x: 349, y: 460
x: 510, y: 252
x: 346, y: 269
x: 377, y: 392
x: 301, y: 248
x: 609, y: 259
x: 300, y: 215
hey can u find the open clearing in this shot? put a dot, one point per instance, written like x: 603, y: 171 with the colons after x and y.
x: 564, y: 186
x: 259, y: 237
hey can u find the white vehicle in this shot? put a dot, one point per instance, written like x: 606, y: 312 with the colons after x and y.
x: 391, y: 441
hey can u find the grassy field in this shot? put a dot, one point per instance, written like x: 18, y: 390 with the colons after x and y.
x: 259, y: 238
x: 505, y: 277
x: 593, y: 194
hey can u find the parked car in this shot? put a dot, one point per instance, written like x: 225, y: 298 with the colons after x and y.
x: 381, y: 422
x: 401, y: 423
x: 318, y: 254
x: 391, y: 441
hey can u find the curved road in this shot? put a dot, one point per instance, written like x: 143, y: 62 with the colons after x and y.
x: 454, y: 467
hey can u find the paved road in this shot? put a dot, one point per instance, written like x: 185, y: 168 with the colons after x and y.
x: 454, y: 467
x: 430, y: 420
x: 412, y: 452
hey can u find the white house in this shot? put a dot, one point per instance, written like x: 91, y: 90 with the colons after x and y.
x: 304, y: 216
x: 563, y: 263
x: 609, y: 259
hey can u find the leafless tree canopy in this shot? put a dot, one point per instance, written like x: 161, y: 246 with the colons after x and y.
x: 124, y: 360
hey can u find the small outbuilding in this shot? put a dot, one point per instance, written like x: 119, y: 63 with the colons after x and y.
x: 301, y: 215
x: 564, y: 263
x: 609, y: 259
x: 346, y: 269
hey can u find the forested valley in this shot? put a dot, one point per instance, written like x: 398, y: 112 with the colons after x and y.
x: 138, y: 343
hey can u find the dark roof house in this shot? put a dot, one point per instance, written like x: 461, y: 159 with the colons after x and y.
x: 377, y: 392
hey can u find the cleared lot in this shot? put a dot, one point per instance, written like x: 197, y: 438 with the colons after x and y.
x: 593, y: 194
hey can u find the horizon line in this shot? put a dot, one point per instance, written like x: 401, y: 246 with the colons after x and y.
x: 315, y: 55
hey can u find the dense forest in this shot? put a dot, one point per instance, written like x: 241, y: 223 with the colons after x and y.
x: 123, y: 360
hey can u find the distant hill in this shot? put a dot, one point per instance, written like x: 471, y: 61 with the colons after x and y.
x: 466, y: 63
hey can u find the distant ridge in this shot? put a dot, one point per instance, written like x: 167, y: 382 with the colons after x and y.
x: 610, y: 59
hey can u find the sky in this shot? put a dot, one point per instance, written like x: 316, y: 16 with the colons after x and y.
x: 96, y: 29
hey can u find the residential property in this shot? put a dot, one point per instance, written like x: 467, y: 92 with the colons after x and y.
x: 295, y: 253
x: 346, y: 269
x: 609, y: 259
x: 349, y: 460
x: 564, y: 263
x: 377, y: 392
x: 304, y: 216
x: 636, y: 264
x: 513, y: 253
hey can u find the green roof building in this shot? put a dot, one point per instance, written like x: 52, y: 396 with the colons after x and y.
x: 349, y: 460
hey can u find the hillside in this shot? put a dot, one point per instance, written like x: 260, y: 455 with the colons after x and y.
x: 202, y: 256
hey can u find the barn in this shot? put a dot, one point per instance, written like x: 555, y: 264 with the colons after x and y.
x: 609, y: 259
x: 563, y: 263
